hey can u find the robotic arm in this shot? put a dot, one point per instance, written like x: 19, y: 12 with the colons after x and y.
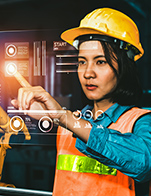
x: 5, y: 128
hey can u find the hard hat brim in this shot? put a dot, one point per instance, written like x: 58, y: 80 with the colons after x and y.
x: 70, y: 35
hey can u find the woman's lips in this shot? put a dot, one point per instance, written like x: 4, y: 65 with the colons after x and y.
x: 91, y: 87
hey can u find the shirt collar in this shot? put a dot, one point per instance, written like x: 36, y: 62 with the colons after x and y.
x: 114, y: 112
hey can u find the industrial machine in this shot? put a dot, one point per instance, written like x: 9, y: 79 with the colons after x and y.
x: 6, y: 125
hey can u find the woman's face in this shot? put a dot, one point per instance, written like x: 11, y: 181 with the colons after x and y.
x: 96, y: 76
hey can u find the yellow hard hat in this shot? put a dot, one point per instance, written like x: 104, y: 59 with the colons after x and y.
x: 109, y: 22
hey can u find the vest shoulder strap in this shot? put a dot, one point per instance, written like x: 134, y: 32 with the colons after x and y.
x: 127, y: 120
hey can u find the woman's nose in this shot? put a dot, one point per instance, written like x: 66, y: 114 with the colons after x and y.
x: 89, y: 72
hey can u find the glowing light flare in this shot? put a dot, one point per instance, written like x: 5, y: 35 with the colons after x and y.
x: 11, y: 68
x: 16, y: 123
x: 11, y: 50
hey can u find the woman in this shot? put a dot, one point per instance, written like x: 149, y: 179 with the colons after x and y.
x: 106, y: 147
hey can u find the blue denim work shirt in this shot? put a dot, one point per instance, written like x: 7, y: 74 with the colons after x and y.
x: 130, y: 153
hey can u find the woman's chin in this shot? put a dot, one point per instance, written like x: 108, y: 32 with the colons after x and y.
x: 93, y: 98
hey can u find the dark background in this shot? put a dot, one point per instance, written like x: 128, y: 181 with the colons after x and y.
x: 33, y: 166
x: 62, y: 15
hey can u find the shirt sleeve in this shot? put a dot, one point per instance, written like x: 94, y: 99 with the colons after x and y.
x: 130, y: 153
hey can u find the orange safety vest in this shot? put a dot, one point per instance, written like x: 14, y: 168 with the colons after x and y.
x: 69, y: 183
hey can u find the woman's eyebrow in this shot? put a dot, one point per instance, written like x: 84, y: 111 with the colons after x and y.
x: 99, y: 56
x: 93, y: 58
x: 81, y: 57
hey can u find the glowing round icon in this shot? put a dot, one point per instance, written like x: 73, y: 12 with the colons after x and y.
x: 45, y: 124
x: 100, y: 114
x: 11, y: 50
x: 11, y: 68
x: 16, y: 123
x: 77, y: 115
x: 88, y: 114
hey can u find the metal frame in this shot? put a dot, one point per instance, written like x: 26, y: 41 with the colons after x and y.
x: 22, y: 192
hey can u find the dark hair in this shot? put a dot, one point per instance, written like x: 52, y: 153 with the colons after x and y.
x: 128, y: 90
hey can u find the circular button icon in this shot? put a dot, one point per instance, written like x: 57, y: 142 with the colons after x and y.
x: 11, y: 68
x: 16, y: 123
x: 77, y: 115
x: 99, y: 114
x: 11, y: 50
x: 88, y: 114
x: 45, y: 124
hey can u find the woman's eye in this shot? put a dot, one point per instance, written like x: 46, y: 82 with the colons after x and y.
x: 100, y: 62
x: 81, y: 62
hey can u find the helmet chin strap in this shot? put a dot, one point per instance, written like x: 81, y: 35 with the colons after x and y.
x: 130, y: 50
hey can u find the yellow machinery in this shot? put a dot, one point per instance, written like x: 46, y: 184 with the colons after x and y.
x: 7, y: 131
